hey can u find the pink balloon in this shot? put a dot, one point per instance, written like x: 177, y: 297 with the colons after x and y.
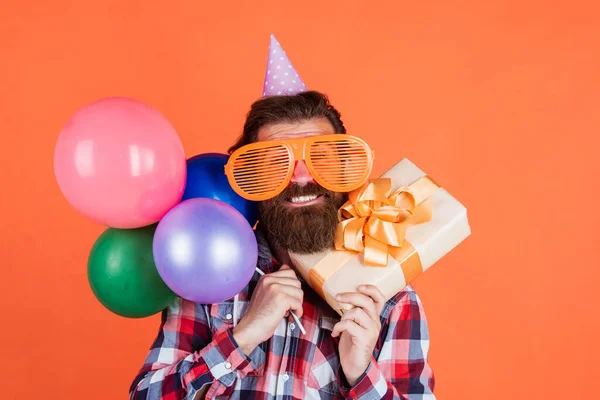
x: 120, y: 162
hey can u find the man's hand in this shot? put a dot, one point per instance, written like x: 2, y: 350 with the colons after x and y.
x: 275, y: 295
x: 359, y: 329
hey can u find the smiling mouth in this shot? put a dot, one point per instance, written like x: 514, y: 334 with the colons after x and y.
x: 305, y: 200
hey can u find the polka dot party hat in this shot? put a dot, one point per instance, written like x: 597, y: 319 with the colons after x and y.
x: 280, y: 77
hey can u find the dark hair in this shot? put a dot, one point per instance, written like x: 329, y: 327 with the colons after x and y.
x: 290, y: 108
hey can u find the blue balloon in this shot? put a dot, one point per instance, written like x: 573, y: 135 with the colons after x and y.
x: 206, y: 179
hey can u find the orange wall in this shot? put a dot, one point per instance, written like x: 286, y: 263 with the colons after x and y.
x: 498, y: 101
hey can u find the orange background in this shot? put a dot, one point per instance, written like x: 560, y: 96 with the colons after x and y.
x: 497, y: 101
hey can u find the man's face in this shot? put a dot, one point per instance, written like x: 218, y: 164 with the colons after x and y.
x: 303, y: 218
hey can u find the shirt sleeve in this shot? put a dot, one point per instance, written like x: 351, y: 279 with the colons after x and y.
x: 401, y: 369
x: 185, y: 356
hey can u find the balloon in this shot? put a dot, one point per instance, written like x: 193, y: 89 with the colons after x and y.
x: 123, y: 276
x: 206, y: 178
x: 120, y: 163
x: 205, y: 250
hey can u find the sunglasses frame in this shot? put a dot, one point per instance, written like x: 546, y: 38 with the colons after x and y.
x: 298, y: 150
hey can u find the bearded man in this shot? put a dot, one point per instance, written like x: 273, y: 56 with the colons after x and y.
x: 250, y: 346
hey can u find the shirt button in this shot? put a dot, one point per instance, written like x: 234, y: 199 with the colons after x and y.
x: 228, y: 365
x: 228, y: 316
x: 285, y: 377
x: 292, y: 326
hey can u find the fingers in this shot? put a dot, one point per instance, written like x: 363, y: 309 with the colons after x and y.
x: 368, y: 298
x: 295, y: 305
x: 375, y: 294
x: 360, y: 300
x: 359, y: 316
x: 278, y: 289
x: 290, y: 297
x: 284, y: 289
x: 285, y: 272
x: 268, y: 280
x: 349, y: 326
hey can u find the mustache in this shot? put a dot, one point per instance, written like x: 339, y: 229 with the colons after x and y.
x: 310, y: 188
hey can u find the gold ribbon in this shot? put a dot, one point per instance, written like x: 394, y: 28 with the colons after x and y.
x: 374, y: 222
x: 375, y: 219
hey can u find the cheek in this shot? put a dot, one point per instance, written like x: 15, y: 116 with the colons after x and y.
x: 339, y: 198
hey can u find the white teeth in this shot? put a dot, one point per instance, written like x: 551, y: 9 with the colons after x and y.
x: 303, y: 199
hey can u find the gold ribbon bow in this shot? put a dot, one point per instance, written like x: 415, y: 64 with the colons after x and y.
x: 375, y: 218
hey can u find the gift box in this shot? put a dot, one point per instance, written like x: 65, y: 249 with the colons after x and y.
x: 391, y: 230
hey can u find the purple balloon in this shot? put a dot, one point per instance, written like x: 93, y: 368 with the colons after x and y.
x: 205, y: 250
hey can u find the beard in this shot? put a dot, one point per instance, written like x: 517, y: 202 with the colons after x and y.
x: 301, y: 229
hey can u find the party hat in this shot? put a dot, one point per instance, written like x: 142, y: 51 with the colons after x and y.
x: 280, y: 77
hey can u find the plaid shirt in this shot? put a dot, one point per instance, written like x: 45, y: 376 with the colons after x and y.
x: 195, y: 352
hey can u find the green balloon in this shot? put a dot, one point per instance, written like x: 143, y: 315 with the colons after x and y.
x: 123, y: 276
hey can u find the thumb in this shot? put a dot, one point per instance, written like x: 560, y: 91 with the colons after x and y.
x: 285, y: 266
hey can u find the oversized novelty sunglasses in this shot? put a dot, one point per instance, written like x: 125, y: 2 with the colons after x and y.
x: 262, y: 170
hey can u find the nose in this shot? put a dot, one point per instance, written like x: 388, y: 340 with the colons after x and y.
x: 301, y: 175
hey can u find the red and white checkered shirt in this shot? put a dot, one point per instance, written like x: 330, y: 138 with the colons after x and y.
x: 195, y: 350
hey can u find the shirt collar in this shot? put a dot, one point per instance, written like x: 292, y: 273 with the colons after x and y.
x: 266, y: 261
